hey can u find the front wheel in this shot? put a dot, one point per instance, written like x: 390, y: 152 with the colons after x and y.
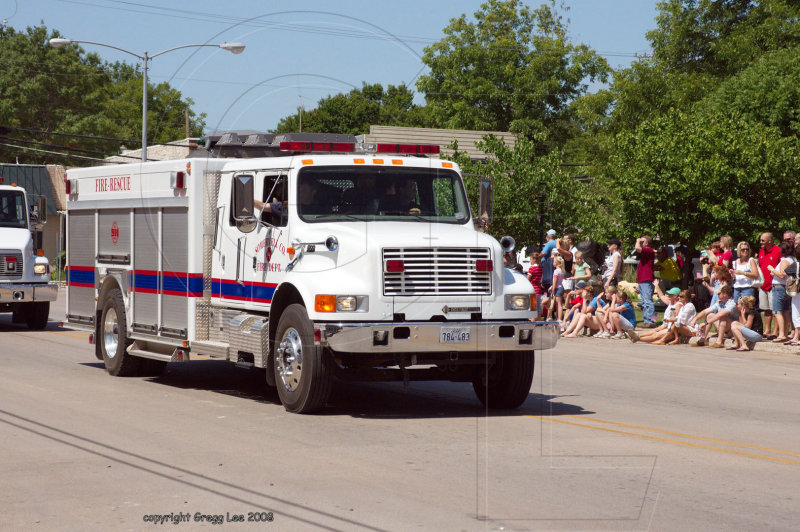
x: 506, y: 384
x: 36, y: 315
x: 112, y: 335
x: 303, y: 373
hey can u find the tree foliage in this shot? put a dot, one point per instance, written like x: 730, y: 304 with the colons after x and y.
x: 511, y: 69
x: 520, y: 176
x: 69, y: 91
x: 691, y: 177
x: 355, y: 111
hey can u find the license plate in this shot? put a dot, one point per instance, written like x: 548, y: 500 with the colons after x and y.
x: 454, y: 335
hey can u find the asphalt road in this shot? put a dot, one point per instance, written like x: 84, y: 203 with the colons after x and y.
x: 614, y: 436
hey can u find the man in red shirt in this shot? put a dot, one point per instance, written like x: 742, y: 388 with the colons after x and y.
x: 768, y: 255
x: 645, y: 277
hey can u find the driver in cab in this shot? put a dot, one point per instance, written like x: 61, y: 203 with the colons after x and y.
x: 400, y: 197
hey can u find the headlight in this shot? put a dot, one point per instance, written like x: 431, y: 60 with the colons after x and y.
x: 332, y: 303
x: 40, y: 269
x: 346, y: 303
x: 518, y: 302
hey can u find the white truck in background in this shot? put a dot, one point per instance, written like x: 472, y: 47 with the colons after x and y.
x: 363, y: 264
x: 25, y: 288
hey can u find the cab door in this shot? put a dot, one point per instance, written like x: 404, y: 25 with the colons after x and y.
x: 266, y: 246
x: 230, y: 242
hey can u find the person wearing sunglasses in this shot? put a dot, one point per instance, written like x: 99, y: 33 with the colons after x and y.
x: 745, y: 272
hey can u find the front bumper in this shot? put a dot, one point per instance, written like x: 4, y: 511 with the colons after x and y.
x: 27, y: 293
x: 425, y: 337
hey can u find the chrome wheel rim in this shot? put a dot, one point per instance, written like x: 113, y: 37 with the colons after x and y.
x: 289, y: 359
x: 110, y: 333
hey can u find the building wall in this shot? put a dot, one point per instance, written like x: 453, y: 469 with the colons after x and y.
x: 36, y: 180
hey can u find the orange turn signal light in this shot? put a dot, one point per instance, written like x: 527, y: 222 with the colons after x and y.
x: 324, y: 303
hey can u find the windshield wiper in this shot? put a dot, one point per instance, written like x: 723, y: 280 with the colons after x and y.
x: 339, y: 215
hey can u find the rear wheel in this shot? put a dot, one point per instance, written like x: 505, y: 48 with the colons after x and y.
x: 303, y: 373
x: 36, y: 314
x: 113, y: 337
x: 507, y: 383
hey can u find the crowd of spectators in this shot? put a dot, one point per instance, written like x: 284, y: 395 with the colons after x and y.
x: 724, y: 299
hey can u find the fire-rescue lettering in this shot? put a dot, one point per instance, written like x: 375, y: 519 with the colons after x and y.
x: 112, y: 184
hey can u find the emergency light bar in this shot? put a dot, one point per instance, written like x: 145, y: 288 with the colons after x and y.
x: 410, y: 149
x: 338, y: 147
x: 398, y: 149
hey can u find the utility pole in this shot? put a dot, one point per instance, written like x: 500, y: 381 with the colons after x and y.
x: 541, y: 221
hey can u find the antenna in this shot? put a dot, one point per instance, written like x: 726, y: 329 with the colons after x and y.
x: 300, y: 109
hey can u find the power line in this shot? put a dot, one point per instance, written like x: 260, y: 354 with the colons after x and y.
x: 68, y: 148
x: 51, y: 152
x: 301, y: 28
x: 91, y: 137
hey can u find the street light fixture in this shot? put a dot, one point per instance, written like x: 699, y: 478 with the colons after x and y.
x: 233, y: 47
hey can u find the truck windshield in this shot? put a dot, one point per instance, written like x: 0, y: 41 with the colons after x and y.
x: 342, y: 193
x: 12, y: 209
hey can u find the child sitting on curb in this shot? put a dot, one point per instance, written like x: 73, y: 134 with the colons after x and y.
x: 623, y: 318
x: 749, y: 329
x: 658, y: 335
x: 721, y: 315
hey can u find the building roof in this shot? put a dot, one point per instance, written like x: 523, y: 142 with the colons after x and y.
x: 179, y: 149
x: 442, y: 137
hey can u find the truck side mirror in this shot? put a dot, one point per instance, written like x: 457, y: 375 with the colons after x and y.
x: 42, y: 210
x: 242, y: 208
x: 486, y: 201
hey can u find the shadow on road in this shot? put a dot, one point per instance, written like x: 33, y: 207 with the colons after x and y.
x: 365, y: 400
x: 6, y: 325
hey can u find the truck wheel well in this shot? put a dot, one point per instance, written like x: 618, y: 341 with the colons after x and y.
x: 109, y: 283
x: 285, y: 295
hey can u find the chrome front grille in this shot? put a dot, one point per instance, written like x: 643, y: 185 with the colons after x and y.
x: 433, y: 271
x: 4, y: 270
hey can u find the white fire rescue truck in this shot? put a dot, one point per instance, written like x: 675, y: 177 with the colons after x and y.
x: 314, y: 256
x: 25, y: 287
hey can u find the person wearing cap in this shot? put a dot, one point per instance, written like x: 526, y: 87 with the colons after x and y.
x: 573, y: 303
x: 721, y: 315
x: 547, y: 259
x: 660, y: 334
x: 613, y: 264
x: 645, y: 277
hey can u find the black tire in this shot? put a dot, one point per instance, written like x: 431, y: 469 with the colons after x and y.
x: 303, y: 372
x: 112, y: 335
x: 36, y: 315
x: 507, y: 383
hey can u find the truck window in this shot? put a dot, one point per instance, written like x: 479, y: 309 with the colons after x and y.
x: 12, y: 209
x: 275, y: 193
x: 358, y: 194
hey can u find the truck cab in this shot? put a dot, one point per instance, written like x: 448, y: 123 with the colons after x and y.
x: 25, y: 288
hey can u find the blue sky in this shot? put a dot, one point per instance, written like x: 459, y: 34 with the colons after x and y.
x: 297, y: 51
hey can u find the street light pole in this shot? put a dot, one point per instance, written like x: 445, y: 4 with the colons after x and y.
x: 233, y: 47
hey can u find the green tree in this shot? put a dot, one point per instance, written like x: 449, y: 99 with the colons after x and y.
x: 519, y: 177
x: 69, y: 91
x: 694, y: 176
x: 355, y: 111
x: 767, y: 92
x: 512, y: 69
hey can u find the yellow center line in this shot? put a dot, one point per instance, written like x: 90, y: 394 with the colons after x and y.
x: 65, y: 333
x: 683, y: 435
x: 667, y: 440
